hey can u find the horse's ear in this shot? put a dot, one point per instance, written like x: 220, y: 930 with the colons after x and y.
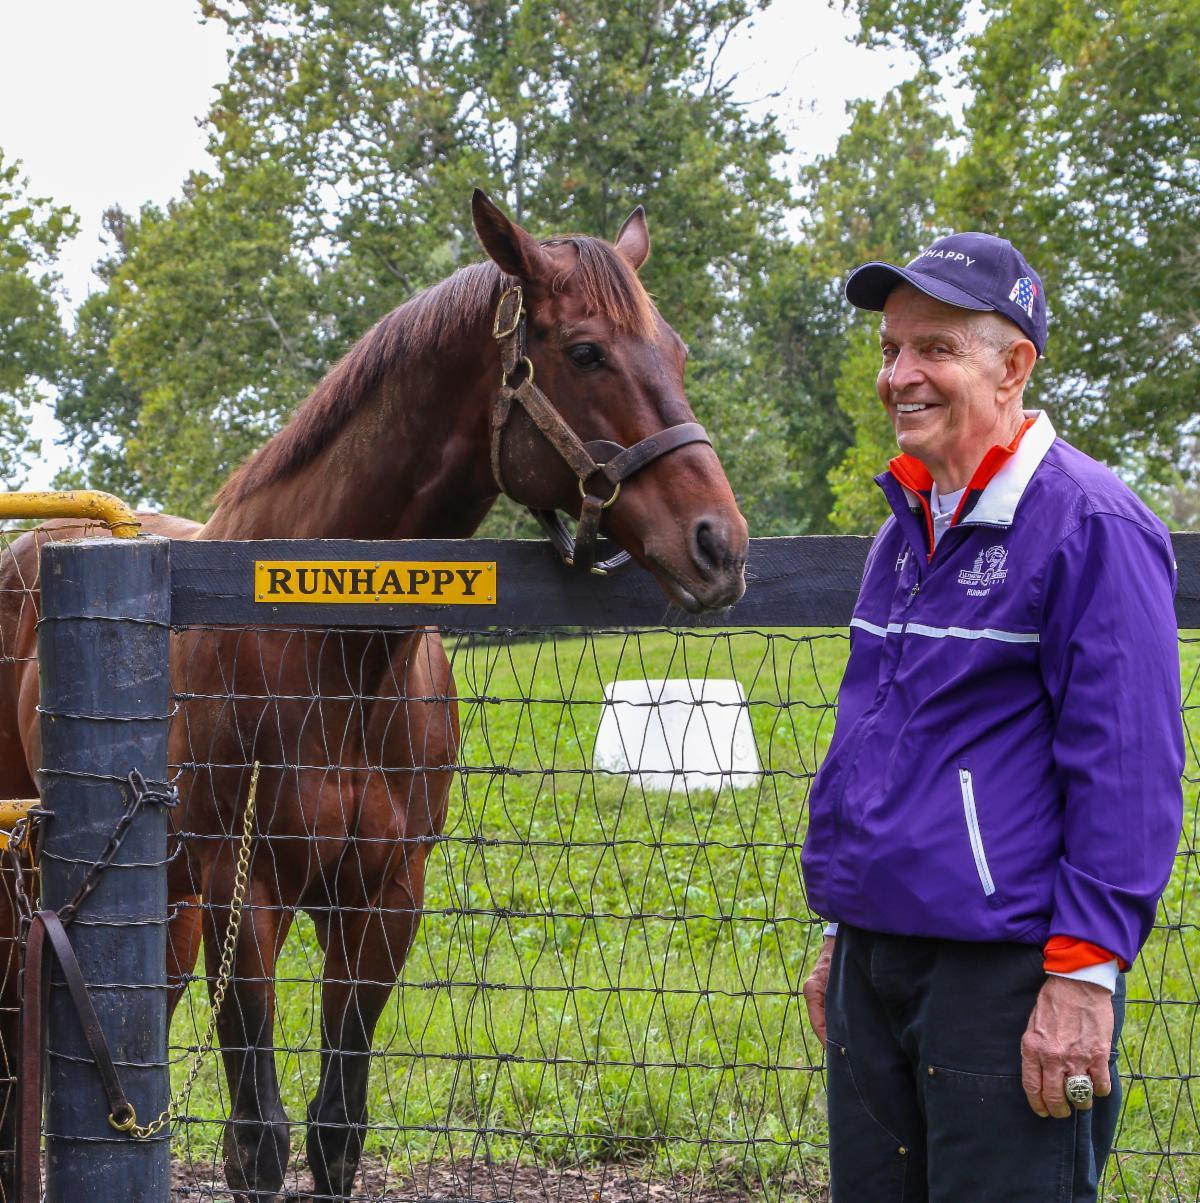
x: 509, y: 245
x: 634, y: 239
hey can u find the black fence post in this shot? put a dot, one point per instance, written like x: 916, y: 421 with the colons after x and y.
x: 105, y: 693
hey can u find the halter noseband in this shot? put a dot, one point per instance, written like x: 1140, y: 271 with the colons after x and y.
x: 607, y: 463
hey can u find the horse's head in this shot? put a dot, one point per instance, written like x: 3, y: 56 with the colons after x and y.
x: 613, y: 370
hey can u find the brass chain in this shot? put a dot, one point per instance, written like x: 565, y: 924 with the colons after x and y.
x: 241, y: 878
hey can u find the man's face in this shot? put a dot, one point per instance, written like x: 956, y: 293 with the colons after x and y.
x: 940, y: 382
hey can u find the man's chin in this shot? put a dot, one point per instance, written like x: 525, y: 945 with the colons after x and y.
x: 911, y: 442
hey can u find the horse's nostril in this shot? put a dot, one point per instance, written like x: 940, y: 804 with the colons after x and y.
x: 708, y: 547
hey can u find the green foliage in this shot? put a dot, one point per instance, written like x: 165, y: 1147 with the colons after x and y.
x: 217, y: 330
x: 796, y: 319
x: 929, y: 28
x: 31, y: 340
x: 1081, y: 147
x: 347, y: 140
x: 1078, y: 143
x: 873, y: 198
x: 349, y: 134
x: 859, y: 505
x: 94, y: 401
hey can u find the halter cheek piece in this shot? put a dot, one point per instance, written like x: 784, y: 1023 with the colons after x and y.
x: 602, y: 463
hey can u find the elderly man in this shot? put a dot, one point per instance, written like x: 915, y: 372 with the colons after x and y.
x: 996, y: 818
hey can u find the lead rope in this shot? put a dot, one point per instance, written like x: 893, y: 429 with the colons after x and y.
x: 241, y: 877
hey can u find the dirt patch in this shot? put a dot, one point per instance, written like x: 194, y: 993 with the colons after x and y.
x: 489, y: 1182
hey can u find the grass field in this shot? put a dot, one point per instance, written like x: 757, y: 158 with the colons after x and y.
x: 605, y: 974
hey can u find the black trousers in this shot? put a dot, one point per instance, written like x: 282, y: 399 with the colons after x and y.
x: 924, y: 1078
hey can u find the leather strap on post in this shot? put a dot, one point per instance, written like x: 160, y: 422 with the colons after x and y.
x: 51, y: 925
x: 47, y: 925
x: 597, y: 459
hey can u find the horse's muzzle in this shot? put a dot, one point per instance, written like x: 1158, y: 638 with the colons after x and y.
x: 714, y: 576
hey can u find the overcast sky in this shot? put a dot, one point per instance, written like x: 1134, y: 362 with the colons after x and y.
x: 101, y: 101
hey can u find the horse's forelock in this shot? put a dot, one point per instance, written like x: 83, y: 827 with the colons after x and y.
x: 606, y: 284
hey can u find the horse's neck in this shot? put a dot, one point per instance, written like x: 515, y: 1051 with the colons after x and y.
x: 411, y: 462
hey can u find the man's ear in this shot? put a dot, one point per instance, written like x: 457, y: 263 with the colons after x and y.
x: 633, y: 240
x: 508, y: 245
x: 1018, y: 367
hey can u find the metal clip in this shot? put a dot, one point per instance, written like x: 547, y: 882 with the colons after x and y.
x: 142, y: 791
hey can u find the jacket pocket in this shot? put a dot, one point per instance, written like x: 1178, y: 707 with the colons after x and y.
x: 967, y: 785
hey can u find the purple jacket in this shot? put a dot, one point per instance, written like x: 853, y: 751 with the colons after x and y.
x: 1008, y: 750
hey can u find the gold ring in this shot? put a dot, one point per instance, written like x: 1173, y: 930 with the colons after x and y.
x: 124, y: 1125
x: 604, y: 504
x: 528, y: 367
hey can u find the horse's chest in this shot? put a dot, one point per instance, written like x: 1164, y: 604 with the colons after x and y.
x: 341, y: 724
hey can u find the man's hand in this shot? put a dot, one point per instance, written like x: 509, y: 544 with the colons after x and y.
x: 814, y: 989
x: 1069, y: 1032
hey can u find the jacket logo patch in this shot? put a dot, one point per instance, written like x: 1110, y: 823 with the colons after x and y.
x: 988, y: 570
x: 901, y: 560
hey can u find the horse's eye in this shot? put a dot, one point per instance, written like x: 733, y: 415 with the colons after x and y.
x: 586, y: 355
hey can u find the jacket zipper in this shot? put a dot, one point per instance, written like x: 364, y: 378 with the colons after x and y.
x: 981, y: 864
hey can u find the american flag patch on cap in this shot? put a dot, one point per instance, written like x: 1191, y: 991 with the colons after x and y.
x: 1023, y: 292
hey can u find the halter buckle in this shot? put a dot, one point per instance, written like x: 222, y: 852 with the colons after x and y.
x: 515, y: 291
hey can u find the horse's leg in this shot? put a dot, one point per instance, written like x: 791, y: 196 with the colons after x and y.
x: 186, y: 924
x: 364, y: 955
x: 256, y: 1134
x: 184, y: 930
x: 366, y: 945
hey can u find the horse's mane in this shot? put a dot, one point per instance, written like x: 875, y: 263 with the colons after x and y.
x: 432, y: 322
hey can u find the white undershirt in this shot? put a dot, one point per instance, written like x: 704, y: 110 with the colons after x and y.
x: 942, y: 507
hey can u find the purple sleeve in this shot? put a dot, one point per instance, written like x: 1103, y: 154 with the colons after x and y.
x: 1110, y: 663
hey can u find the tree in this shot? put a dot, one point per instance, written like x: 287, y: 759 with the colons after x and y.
x: 1079, y: 144
x: 874, y: 197
x: 32, y: 230
x: 858, y: 504
x: 347, y: 140
x: 796, y: 337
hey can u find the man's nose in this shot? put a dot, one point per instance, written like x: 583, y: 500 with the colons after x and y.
x: 905, y: 370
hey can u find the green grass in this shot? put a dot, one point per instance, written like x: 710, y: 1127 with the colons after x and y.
x: 608, y: 974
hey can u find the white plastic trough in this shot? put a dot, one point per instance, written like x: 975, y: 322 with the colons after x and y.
x: 692, y: 733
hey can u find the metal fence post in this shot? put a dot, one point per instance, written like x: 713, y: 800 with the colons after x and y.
x: 105, y: 692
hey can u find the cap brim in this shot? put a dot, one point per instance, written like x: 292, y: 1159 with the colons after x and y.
x: 868, y: 287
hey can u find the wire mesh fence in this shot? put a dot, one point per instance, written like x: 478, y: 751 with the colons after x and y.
x: 559, y: 971
x: 603, y: 993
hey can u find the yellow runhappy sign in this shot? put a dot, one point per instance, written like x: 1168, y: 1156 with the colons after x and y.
x: 360, y: 582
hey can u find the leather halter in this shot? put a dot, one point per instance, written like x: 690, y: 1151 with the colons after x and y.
x: 601, y: 463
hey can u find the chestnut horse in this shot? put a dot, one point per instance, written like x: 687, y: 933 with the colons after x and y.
x: 357, y: 732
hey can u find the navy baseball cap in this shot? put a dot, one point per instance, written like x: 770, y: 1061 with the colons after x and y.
x: 971, y: 271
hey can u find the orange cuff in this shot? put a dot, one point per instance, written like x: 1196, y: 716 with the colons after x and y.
x: 1065, y: 954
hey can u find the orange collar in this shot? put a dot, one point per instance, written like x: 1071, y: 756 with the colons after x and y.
x: 914, y: 476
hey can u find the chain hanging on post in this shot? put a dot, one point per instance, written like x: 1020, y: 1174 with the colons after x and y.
x: 50, y: 925
x: 220, y: 987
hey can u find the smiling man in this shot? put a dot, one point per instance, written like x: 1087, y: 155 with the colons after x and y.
x: 998, y: 813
